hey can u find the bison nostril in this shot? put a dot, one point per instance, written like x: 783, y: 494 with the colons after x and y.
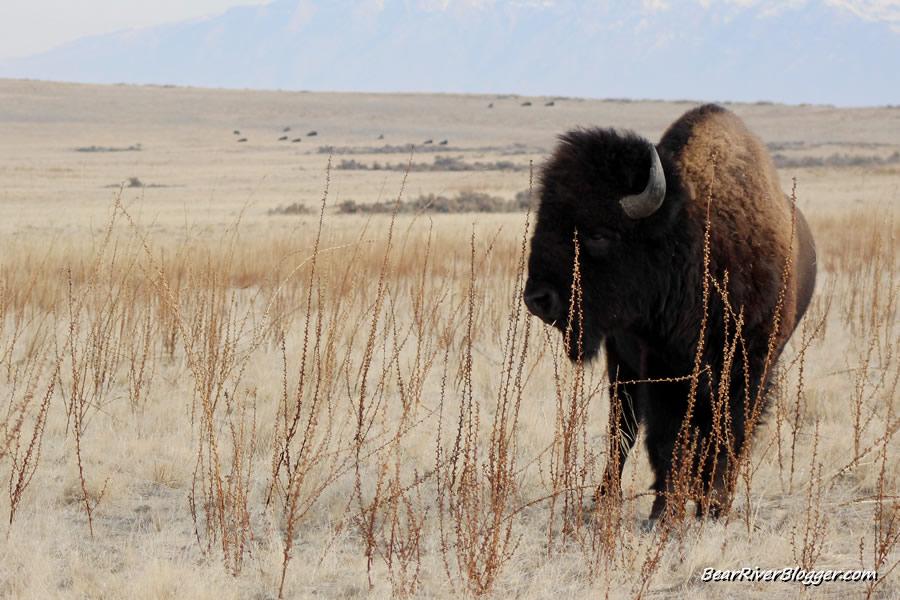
x: 543, y: 302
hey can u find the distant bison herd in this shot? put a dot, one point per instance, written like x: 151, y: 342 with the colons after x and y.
x: 283, y: 138
x: 314, y: 133
x: 637, y: 216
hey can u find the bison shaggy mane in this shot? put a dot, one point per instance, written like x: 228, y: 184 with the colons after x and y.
x: 637, y: 214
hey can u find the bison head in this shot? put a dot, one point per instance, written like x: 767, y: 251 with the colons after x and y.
x: 608, y: 192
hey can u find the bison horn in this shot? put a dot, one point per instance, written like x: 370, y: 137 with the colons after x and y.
x: 647, y: 202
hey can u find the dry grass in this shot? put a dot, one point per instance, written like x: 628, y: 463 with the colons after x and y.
x: 372, y: 412
x: 359, y: 406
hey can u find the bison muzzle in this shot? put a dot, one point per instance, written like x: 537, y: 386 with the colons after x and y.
x: 693, y: 366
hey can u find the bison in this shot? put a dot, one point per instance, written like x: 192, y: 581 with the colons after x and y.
x: 664, y: 301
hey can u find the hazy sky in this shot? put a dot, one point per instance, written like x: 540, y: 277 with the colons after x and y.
x: 32, y: 26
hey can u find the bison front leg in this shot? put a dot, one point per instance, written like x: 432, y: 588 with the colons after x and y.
x: 663, y: 428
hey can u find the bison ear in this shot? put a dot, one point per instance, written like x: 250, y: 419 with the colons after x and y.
x: 644, y: 204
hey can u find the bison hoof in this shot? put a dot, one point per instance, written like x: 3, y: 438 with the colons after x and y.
x: 658, y: 511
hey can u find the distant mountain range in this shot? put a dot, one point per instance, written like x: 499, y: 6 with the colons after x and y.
x: 836, y: 52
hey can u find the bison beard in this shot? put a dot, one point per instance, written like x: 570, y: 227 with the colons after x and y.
x: 637, y: 215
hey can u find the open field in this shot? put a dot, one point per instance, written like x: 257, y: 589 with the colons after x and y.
x: 202, y: 399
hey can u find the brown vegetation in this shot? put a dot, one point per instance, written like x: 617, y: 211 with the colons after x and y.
x: 383, y: 394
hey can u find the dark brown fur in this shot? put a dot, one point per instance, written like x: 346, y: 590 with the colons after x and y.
x: 642, y: 280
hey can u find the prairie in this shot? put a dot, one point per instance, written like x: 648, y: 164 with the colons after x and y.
x: 204, y: 395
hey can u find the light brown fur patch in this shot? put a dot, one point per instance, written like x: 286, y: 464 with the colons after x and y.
x: 749, y: 214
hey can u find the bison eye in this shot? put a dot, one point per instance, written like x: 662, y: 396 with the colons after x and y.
x: 599, y: 244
